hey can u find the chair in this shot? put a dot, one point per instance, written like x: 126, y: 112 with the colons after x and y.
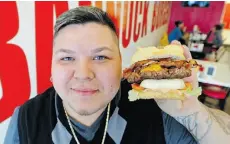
x: 220, y: 52
x: 164, y: 40
x: 215, y: 92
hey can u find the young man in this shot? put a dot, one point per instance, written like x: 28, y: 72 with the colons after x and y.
x: 217, y: 40
x: 88, y: 102
x: 178, y: 33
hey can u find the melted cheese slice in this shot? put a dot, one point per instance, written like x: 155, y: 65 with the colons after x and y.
x: 152, y: 67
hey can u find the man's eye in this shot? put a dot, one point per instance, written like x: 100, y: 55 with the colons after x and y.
x: 67, y: 59
x: 100, y: 58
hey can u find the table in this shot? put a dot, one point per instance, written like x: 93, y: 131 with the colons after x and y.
x: 217, y: 74
x: 214, y: 73
x: 201, y: 50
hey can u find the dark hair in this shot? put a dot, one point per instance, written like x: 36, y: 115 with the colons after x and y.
x: 82, y: 15
x: 177, y: 23
x: 218, y: 26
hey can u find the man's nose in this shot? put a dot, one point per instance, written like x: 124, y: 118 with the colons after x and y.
x: 84, y: 71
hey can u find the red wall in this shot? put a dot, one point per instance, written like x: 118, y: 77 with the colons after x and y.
x: 205, y: 18
x: 226, y: 19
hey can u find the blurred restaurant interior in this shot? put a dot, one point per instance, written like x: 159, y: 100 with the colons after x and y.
x: 206, y: 32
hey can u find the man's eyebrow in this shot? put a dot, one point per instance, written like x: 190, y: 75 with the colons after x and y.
x: 65, y: 51
x: 100, y: 49
x: 96, y: 50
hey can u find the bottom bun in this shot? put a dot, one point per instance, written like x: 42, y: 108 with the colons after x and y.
x: 156, y: 94
x: 163, y: 94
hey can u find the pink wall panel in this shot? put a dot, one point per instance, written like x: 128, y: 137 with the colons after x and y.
x: 205, y: 18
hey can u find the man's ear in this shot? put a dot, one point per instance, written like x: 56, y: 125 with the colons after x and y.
x: 121, y: 73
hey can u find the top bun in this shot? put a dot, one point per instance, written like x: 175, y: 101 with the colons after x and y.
x: 171, y: 51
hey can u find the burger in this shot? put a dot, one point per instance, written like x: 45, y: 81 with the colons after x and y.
x: 157, y: 73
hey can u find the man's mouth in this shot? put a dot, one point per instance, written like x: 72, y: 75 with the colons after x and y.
x: 85, y: 91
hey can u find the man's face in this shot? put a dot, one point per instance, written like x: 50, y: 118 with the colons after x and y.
x: 181, y: 26
x: 213, y: 29
x: 86, y: 66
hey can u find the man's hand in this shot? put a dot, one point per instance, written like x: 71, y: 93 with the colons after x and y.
x: 208, y: 126
x: 188, y: 106
x: 184, y: 29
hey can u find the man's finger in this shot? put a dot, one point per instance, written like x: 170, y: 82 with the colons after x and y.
x: 187, y: 53
x: 192, y: 79
x: 176, y: 42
